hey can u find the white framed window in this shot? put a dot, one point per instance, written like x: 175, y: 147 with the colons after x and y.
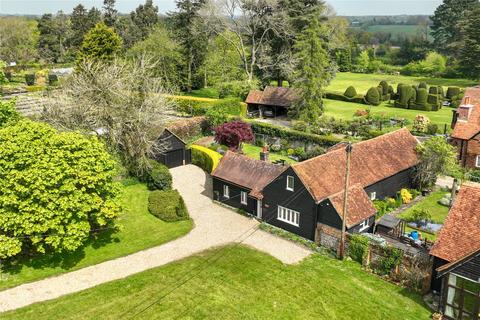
x: 288, y: 215
x: 243, y: 197
x: 373, y: 195
x: 226, y: 191
x: 364, y: 225
x: 477, y: 161
x: 290, y: 183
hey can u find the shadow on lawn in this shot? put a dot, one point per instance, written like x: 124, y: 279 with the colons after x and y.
x: 66, y: 260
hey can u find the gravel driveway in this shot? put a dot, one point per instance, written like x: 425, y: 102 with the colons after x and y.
x: 214, y: 226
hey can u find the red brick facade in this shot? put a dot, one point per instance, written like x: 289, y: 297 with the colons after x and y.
x: 468, y: 151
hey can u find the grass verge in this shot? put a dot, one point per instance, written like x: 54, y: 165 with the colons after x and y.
x: 241, y: 284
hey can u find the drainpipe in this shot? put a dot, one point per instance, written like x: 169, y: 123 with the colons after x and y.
x: 348, y: 150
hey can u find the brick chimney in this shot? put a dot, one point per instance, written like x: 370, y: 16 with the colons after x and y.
x: 465, y: 109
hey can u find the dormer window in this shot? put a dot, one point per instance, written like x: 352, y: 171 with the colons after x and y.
x: 290, y: 183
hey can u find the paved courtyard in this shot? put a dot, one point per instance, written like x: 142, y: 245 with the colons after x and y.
x: 214, y: 226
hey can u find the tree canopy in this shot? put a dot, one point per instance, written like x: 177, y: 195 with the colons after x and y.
x: 55, y: 189
x: 100, y: 43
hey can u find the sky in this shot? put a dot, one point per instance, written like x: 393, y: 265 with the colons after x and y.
x: 342, y: 7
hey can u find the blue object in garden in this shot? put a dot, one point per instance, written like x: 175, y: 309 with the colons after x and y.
x: 414, y: 235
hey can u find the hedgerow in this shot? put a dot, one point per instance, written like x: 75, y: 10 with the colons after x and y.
x: 167, y: 205
x: 205, y: 158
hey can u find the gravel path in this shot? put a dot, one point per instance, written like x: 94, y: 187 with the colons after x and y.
x: 214, y: 226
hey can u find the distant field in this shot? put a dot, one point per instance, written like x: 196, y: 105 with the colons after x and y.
x: 362, y: 82
x: 395, y: 30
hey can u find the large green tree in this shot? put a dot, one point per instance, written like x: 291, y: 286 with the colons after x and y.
x: 447, y: 20
x: 145, y: 17
x: 55, y: 189
x: 18, y: 39
x: 81, y: 22
x: 166, y: 53
x: 470, y: 52
x: 186, y: 24
x: 54, y: 31
x: 313, y: 71
x: 110, y: 14
x: 100, y: 43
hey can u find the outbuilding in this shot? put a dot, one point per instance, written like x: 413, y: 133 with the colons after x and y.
x: 174, y: 152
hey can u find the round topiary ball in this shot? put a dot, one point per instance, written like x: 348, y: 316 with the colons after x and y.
x: 350, y: 92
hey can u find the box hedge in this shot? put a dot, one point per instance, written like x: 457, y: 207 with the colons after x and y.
x: 52, y: 79
x: 30, y: 79
x: 373, y: 96
x: 158, y: 176
x: 167, y: 205
x: 350, y: 92
x: 205, y: 158
x: 452, y: 92
x: 293, y: 135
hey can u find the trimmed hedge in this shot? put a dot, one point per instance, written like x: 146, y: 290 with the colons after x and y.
x: 341, y: 97
x: 350, y: 92
x: 158, y: 177
x: 288, y: 134
x: 452, y: 92
x: 167, y: 205
x: 30, y: 79
x: 52, y: 79
x: 200, y: 106
x: 205, y: 158
x: 373, y: 97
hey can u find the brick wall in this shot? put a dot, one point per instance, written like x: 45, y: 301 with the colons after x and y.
x: 327, y: 236
x: 473, y: 149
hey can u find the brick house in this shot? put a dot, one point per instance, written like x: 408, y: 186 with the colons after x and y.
x: 457, y: 257
x: 466, y: 129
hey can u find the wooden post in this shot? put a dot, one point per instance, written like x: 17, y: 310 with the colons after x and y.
x: 454, y: 191
x: 348, y: 150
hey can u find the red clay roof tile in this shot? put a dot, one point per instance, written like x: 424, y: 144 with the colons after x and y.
x: 466, y: 130
x: 273, y: 96
x: 372, y: 161
x: 247, y: 172
x: 359, y: 205
x: 460, y: 235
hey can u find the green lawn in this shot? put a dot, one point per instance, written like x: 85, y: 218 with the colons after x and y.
x: 140, y: 230
x: 362, y: 82
x: 430, y: 203
x: 253, y: 151
x: 346, y: 111
x: 239, y: 283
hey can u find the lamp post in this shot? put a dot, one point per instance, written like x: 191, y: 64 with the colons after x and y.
x: 348, y: 151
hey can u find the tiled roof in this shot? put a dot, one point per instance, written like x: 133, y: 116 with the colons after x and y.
x: 466, y: 130
x: 359, y: 206
x: 460, y: 235
x: 273, y: 96
x: 247, y: 172
x: 372, y: 161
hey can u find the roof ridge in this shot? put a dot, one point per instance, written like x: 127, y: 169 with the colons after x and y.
x: 356, y: 143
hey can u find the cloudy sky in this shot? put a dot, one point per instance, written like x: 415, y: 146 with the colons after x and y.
x: 343, y: 7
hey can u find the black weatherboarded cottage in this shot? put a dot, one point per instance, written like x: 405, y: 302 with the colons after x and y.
x: 307, y: 198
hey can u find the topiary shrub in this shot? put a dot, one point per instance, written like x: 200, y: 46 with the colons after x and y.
x: 398, y: 87
x: 452, y: 92
x: 433, y: 90
x: 434, y: 101
x: 350, y: 92
x: 423, y: 85
x: 422, y: 96
x: 403, y: 97
x: 52, y: 79
x: 373, y: 96
x: 30, y: 79
x: 158, y: 177
x: 167, y: 205
x: 205, y: 158
x: 384, y: 86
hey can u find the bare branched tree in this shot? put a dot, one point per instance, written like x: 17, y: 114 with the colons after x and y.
x: 251, y: 21
x: 120, y: 101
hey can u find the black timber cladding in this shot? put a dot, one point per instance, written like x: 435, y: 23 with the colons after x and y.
x: 234, y: 199
x: 174, y: 153
x: 276, y: 194
x: 390, y: 186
